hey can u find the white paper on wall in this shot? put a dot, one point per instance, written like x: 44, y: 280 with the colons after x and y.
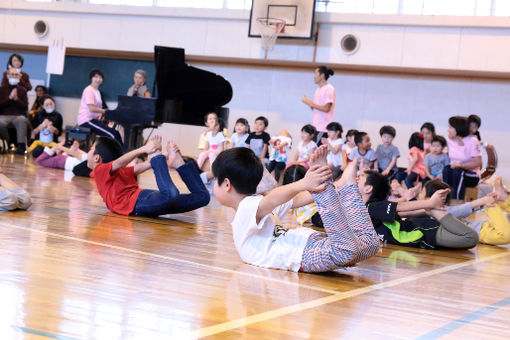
x: 56, y: 57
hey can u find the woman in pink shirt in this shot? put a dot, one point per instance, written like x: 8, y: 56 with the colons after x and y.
x: 91, y: 108
x: 465, y: 157
x: 323, y: 104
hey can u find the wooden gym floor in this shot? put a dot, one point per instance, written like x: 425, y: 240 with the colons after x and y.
x: 72, y: 270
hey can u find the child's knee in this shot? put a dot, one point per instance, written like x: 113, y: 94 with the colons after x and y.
x: 24, y: 201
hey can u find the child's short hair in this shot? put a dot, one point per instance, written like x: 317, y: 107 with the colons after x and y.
x: 434, y: 185
x: 109, y: 149
x: 350, y: 132
x: 309, y: 129
x: 416, y: 139
x: 293, y: 174
x: 439, y: 139
x: 243, y: 121
x: 429, y: 126
x: 241, y: 166
x: 94, y: 72
x: 264, y: 119
x: 460, y: 124
x: 358, y: 137
x: 388, y: 130
x: 475, y: 119
x: 334, y: 126
x: 380, y: 186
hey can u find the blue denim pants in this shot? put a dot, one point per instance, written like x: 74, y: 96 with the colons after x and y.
x: 168, y: 200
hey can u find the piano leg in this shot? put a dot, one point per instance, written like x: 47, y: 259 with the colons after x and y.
x: 127, y: 138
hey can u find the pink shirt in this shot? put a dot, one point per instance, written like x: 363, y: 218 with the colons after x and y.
x: 465, y: 153
x: 89, y: 96
x: 323, y: 95
x: 419, y: 167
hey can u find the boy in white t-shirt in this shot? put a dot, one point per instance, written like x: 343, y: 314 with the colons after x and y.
x: 349, y: 238
x: 279, y: 152
x: 214, y: 144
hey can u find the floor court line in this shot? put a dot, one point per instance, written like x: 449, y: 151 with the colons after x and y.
x: 196, y: 264
x: 242, y: 322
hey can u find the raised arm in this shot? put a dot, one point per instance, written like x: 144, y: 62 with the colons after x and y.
x: 314, y: 180
x: 153, y: 145
x: 435, y: 202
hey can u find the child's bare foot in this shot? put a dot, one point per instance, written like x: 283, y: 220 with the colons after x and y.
x: 350, y: 174
x: 500, y: 191
x: 174, y: 155
x: 319, y: 156
x: 75, y: 146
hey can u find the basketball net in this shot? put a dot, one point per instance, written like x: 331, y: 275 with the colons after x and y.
x: 269, y: 29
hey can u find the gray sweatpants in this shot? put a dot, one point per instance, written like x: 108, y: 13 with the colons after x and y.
x: 452, y: 233
x: 19, y: 122
x: 15, y: 199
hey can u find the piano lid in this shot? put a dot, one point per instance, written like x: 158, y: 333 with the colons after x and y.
x: 185, y: 93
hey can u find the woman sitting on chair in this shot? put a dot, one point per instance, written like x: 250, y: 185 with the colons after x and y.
x: 90, y: 114
x: 139, y: 88
x: 465, y: 157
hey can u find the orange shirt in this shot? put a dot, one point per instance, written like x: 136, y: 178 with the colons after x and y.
x: 119, y: 190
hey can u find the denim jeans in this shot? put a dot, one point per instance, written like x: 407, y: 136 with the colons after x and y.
x: 168, y: 200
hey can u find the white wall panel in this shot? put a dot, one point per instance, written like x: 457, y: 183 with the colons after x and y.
x: 140, y: 34
x: 227, y: 39
x: 99, y: 32
x: 431, y: 47
x: 482, y: 49
x: 189, y: 34
x: 21, y: 28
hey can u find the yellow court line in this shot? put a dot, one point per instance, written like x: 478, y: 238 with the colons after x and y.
x: 196, y: 264
x: 248, y: 320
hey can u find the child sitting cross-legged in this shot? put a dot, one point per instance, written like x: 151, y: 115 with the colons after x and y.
x: 118, y: 186
x: 349, y: 236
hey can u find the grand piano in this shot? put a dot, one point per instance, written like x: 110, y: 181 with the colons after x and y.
x: 184, y: 95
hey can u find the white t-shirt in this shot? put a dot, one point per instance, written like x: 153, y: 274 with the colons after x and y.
x: 304, y: 150
x: 257, y: 243
x: 335, y: 159
x: 348, y: 149
x: 214, y: 141
x: 239, y: 141
x: 280, y: 154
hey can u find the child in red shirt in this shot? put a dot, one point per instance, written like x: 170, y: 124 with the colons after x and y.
x: 118, y: 186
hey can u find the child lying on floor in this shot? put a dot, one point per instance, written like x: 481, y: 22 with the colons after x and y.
x: 12, y: 196
x: 118, y: 186
x: 495, y: 231
x: 349, y: 236
x: 60, y: 157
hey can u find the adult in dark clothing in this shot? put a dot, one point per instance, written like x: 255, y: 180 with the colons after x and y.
x: 48, y: 112
x: 13, y: 109
x: 16, y: 61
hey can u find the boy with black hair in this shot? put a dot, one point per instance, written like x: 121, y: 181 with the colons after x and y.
x: 118, y: 186
x: 495, y: 230
x: 439, y: 228
x: 349, y: 236
x: 436, y: 160
x: 387, y: 153
x: 363, y: 150
x: 258, y: 140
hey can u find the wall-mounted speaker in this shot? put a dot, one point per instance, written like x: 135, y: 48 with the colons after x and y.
x: 349, y: 44
x: 41, y: 28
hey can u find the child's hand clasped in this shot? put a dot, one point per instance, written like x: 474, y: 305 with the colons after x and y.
x: 316, y: 177
x: 438, y: 199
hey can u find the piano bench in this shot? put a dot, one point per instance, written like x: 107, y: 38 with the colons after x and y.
x: 80, y: 134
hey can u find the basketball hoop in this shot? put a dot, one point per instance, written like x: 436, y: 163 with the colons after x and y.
x: 269, y: 29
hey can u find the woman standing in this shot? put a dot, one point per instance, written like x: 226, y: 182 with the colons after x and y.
x: 323, y: 104
x: 465, y: 157
x: 91, y: 108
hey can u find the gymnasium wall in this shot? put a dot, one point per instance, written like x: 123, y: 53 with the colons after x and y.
x: 365, y: 100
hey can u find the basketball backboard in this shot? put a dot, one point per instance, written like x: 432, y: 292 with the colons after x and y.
x: 298, y: 15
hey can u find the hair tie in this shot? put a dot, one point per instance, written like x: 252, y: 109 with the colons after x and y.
x: 420, y: 135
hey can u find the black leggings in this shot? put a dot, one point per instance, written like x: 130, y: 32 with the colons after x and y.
x: 459, y: 179
x: 277, y: 167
